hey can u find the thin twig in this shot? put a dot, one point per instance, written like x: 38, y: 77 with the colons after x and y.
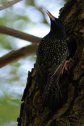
x: 8, y: 4
x: 17, y: 54
x: 19, y: 34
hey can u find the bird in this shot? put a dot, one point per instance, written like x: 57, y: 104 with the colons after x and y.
x: 52, y: 51
x: 52, y: 48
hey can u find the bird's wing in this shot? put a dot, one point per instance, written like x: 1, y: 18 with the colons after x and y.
x: 53, y: 92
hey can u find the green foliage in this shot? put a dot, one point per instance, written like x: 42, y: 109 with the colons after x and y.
x: 22, y: 17
x: 5, y: 42
x: 9, y: 109
x: 30, y: 2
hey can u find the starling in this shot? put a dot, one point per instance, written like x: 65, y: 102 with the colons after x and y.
x: 51, y: 51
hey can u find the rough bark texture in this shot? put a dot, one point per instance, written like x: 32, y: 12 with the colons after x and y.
x: 33, y: 112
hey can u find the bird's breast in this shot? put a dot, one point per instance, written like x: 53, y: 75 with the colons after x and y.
x: 51, y: 51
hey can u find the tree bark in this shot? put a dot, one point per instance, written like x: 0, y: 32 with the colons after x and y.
x: 33, y: 112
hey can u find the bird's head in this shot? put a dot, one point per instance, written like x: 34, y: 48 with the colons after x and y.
x: 57, y: 27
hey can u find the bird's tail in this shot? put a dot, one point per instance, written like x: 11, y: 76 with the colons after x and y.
x: 55, y: 91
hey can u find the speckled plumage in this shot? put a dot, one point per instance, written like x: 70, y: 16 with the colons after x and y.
x: 51, y: 52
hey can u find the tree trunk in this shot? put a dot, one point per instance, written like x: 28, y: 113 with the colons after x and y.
x: 33, y: 112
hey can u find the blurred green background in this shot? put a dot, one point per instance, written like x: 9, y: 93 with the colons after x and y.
x: 29, y: 17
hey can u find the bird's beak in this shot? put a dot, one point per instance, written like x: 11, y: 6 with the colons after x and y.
x: 51, y: 16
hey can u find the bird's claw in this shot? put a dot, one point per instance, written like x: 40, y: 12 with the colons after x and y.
x: 66, y: 65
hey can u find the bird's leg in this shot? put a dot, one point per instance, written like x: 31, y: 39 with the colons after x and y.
x: 66, y: 65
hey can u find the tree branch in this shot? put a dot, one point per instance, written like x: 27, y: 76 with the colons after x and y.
x: 19, y: 34
x: 8, y: 4
x: 17, y: 54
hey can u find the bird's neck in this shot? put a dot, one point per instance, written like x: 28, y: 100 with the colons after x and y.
x: 57, y: 35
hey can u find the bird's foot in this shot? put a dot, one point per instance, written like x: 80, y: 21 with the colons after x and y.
x: 66, y: 65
